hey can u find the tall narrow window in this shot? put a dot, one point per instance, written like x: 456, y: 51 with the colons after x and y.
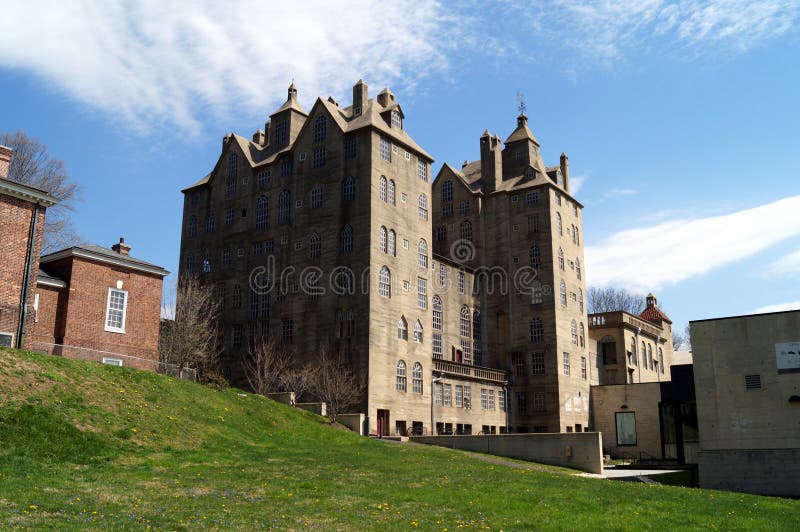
x: 650, y: 356
x: 193, y: 225
x: 236, y: 297
x: 316, y: 197
x: 116, y: 308
x: 385, y: 282
x: 537, y: 330
x: 437, y: 346
x: 582, y: 335
x: 396, y: 120
x: 416, y: 378
x: 443, y: 275
x: 233, y: 169
x: 422, y: 293
x: 422, y: 170
x: 476, y: 337
x: 461, y: 282
x: 382, y: 239
x: 578, y: 267
x: 574, y: 332
x: 211, y: 220
x: 422, y: 253
x: 262, y: 212
x: 465, y: 324
x: 466, y: 230
x: 314, y: 246
x: 386, y: 150
x: 447, y: 191
x: 633, y: 352
x: 401, y: 376
x: 346, y: 239
x: 383, y: 186
x: 320, y: 128
x: 391, y: 193
x: 392, y: 244
x: 318, y: 158
x: 348, y: 189
x: 535, y: 257
x: 423, y: 207
x: 563, y: 291
x: 284, y: 207
x: 350, y: 148
x: 437, y: 313
x: 561, y: 259
x: 661, y: 360
x: 566, y: 364
x: 418, y: 332
x: 402, y: 328
x: 558, y: 224
x: 580, y: 299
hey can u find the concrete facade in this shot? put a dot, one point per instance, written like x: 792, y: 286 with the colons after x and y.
x: 641, y: 401
x: 747, y: 376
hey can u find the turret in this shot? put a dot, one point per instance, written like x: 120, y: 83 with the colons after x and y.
x: 565, y: 173
x: 359, y: 97
x: 491, y: 161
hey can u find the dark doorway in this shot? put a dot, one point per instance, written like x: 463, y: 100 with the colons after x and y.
x: 383, y: 422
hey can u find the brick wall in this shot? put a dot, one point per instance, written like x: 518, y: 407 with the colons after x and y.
x: 85, y: 309
x: 5, y: 160
x: 15, y: 223
x: 46, y: 319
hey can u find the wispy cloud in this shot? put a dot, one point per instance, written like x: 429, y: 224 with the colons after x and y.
x: 576, y: 182
x: 152, y: 63
x: 778, y: 307
x: 785, y: 267
x: 650, y: 258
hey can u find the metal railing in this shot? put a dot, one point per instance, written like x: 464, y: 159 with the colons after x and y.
x: 113, y: 359
x: 472, y: 372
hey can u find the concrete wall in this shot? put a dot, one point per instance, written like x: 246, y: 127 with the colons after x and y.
x: 317, y: 408
x: 355, y: 422
x: 767, y: 472
x: 581, y: 451
x: 641, y: 399
x: 286, y: 398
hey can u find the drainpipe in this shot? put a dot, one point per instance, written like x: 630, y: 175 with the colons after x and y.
x: 26, y: 276
x: 508, y: 401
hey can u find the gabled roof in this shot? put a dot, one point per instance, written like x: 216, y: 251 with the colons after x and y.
x: 26, y: 193
x: 522, y: 132
x: 101, y: 254
x: 46, y: 279
x: 654, y: 314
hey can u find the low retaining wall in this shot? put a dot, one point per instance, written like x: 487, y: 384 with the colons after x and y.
x: 577, y: 450
x: 286, y: 398
x: 355, y: 422
x: 317, y: 408
x: 763, y: 471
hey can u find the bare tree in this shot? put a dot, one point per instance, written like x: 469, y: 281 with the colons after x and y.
x: 336, y: 385
x: 189, y: 337
x: 611, y: 299
x: 32, y: 165
x: 264, y: 366
x: 299, y: 380
x: 682, y: 341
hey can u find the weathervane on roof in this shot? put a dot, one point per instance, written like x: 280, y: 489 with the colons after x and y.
x: 521, y: 103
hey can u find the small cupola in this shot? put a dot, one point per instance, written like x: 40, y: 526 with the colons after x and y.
x: 652, y: 302
x: 292, y: 92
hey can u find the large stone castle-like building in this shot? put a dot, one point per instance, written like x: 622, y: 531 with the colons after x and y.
x: 459, y: 300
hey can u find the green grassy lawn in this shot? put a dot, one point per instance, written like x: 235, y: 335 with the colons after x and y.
x: 84, y: 445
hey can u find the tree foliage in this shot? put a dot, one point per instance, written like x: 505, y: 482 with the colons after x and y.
x: 32, y: 165
x: 189, y: 337
x: 610, y: 299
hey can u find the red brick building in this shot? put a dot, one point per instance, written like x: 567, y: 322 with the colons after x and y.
x: 98, y: 303
x: 22, y: 211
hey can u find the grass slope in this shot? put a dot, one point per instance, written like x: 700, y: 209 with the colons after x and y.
x: 84, y: 445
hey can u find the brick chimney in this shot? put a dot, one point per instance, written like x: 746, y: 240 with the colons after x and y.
x: 5, y: 160
x: 122, y: 248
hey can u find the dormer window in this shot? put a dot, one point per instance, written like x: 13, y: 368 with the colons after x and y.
x: 396, y: 120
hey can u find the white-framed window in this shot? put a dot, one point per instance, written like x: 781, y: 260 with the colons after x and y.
x: 422, y: 170
x: 448, y: 394
x: 461, y: 282
x: 484, y: 398
x: 396, y: 120
x: 401, y: 376
x: 392, y: 249
x: 418, y: 332
x: 386, y: 152
x: 402, y: 328
x: 437, y: 346
x: 574, y: 332
x: 583, y: 368
x: 443, y: 275
x: 385, y: 282
x: 422, y: 293
x: 423, y: 207
x: 437, y: 313
x: 459, y: 396
x: 116, y: 309
x: 465, y: 322
x: 422, y: 252
x: 536, y: 294
x: 566, y: 364
x: 466, y: 230
x: 382, y: 239
x: 384, y: 184
x: 558, y: 224
x: 416, y: 378
x: 112, y: 361
x: 391, y: 193
x: 501, y: 399
x: 563, y: 290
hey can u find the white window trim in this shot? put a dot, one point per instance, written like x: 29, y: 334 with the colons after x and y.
x: 113, y: 361
x: 124, y: 312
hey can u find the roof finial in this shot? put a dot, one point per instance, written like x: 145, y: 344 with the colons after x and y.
x: 521, y: 104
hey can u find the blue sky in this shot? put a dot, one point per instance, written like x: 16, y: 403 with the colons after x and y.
x: 680, y: 118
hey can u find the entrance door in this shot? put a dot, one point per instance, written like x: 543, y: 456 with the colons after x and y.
x: 383, y: 422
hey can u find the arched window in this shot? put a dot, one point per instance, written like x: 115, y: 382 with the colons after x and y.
x: 284, y: 207
x: 233, y: 165
x: 383, y: 187
x: 466, y: 230
x: 418, y: 332
x: 392, y: 243
x: 633, y: 351
x: 573, y: 329
x: 262, y: 212
x: 193, y: 225
x: 339, y: 324
x: 422, y: 252
x: 437, y: 313
x: 320, y: 128
x: 465, y: 324
x: 351, y: 324
x: 558, y: 224
x: 535, y: 257
x: 346, y: 239
x: 190, y: 263
x: 316, y: 197
x: 314, y: 246
x: 578, y: 267
x: 644, y: 355
x: 343, y: 281
x: 206, y: 263
x: 443, y: 274
x: 476, y: 338
x: 582, y: 335
x: 401, y: 376
x: 423, y: 206
x: 447, y: 191
x: 580, y: 299
x: 211, y: 220
x: 382, y: 239
x: 661, y: 360
x: 650, y: 355
x: 563, y: 292
x: 560, y: 259
x: 402, y: 328
x: 236, y: 297
x: 537, y: 330
x: 348, y: 189
x: 416, y: 378
x: 396, y: 121
x: 385, y: 282
x: 391, y: 191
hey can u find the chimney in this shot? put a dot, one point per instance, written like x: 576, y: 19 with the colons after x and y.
x: 359, y: 97
x: 258, y: 137
x: 491, y: 161
x: 225, y: 140
x: 5, y: 160
x: 565, y: 170
x: 266, y: 134
x: 122, y: 248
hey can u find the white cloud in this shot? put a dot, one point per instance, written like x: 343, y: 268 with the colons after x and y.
x: 153, y: 64
x: 786, y: 266
x: 650, y: 258
x: 779, y: 307
x: 576, y: 183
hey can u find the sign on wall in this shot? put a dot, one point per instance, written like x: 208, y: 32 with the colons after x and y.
x: 788, y: 357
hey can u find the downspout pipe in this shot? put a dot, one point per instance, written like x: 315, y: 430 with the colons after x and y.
x: 26, y: 277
